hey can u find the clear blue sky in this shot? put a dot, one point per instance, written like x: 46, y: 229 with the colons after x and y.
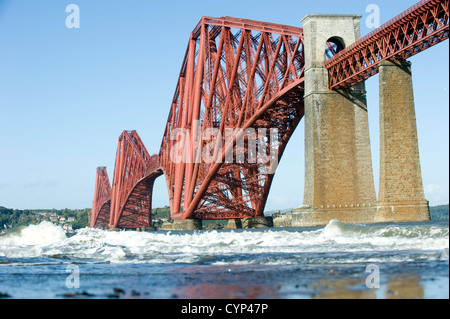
x: 67, y: 94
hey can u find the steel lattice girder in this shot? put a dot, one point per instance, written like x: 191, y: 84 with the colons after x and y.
x: 102, y: 199
x: 236, y: 73
x: 134, y: 173
x: 245, y: 74
x: 418, y: 28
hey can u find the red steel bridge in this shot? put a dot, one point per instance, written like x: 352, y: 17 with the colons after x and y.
x: 242, y: 74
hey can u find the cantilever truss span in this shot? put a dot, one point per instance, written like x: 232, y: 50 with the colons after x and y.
x: 236, y: 74
x: 134, y: 174
x: 102, y: 200
x: 241, y: 84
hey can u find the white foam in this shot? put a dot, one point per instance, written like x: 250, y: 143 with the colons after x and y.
x: 155, y: 247
x: 44, y: 233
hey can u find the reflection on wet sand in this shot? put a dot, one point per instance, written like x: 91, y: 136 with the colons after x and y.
x: 404, y: 287
x: 226, y: 283
x: 341, y: 288
x: 216, y: 282
x: 213, y: 291
x: 400, y: 286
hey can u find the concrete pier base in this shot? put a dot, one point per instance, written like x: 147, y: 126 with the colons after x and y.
x: 145, y: 229
x: 403, y: 212
x: 262, y: 222
x: 187, y: 224
x: 257, y: 222
x: 307, y: 217
x: 284, y: 220
x: 234, y: 224
x: 166, y: 226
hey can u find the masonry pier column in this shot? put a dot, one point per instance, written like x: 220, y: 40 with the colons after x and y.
x: 401, y: 195
x: 339, y: 180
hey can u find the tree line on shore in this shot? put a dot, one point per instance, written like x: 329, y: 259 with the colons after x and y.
x: 12, y: 218
x: 439, y: 213
x: 77, y: 218
x: 80, y: 218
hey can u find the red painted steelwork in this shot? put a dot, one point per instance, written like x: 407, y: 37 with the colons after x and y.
x: 236, y: 73
x: 102, y: 200
x: 132, y: 188
x: 418, y: 28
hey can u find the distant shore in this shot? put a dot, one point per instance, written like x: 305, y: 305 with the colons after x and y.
x: 73, y: 219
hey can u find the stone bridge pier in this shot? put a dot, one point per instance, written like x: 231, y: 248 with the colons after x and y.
x: 401, y: 195
x: 339, y: 182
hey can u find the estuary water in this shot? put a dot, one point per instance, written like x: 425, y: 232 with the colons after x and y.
x: 408, y: 260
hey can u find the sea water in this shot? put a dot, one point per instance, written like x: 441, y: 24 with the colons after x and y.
x: 409, y: 260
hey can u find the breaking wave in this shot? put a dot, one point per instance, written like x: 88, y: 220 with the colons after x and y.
x: 44, y: 233
x: 337, y: 242
x: 337, y: 228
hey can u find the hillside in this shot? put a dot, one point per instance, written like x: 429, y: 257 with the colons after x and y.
x: 69, y: 219
x: 439, y: 213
